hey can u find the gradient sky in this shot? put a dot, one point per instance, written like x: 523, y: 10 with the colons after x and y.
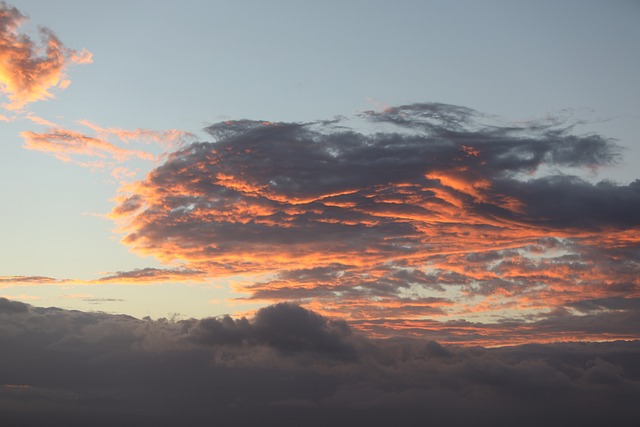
x: 319, y: 213
x: 460, y: 170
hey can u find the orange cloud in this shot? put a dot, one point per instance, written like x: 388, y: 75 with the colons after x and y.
x: 137, y: 276
x: 11, y: 281
x: 151, y: 275
x: 168, y: 139
x: 68, y: 145
x: 29, y: 72
x: 40, y: 121
x: 105, y: 149
x: 434, y: 221
x: 389, y: 231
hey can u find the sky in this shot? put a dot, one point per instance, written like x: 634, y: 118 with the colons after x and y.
x: 385, y: 202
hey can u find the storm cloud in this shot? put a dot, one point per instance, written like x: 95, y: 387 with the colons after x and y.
x: 289, y: 365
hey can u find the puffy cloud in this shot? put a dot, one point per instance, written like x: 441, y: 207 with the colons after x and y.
x: 28, y: 72
x: 288, y: 328
x: 287, y: 365
x: 7, y: 306
x: 419, y: 211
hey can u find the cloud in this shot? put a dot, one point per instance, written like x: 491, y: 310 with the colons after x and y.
x: 7, y: 306
x: 10, y: 281
x: 151, y: 275
x: 584, y: 320
x: 66, y: 145
x: 40, y: 121
x: 106, y: 148
x: 169, y: 139
x: 288, y: 328
x: 28, y: 72
x: 136, y: 276
x: 416, y: 212
x: 287, y: 366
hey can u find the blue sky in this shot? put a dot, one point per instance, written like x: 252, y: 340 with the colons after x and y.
x: 187, y: 65
x: 300, y: 213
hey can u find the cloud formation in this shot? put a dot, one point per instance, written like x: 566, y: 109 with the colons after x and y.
x: 9, y: 281
x: 148, y: 275
x: 28, y: 71
x: 66, y: 144
x: 421, y: 211
x: 291, y: 366
x: 106, y: 148
x: 140, y: 275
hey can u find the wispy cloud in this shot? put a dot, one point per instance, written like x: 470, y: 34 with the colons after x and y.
x: 40, y: 121
x: 69, y: 146
x: 137, y: 276
x: 28, y: 71
x: 152, y: 275
x: 8, y: 281
x: 104, y: 148
x: 168, y: 139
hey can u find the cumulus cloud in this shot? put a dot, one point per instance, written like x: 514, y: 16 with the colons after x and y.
x: 415, y: 212
x: 291, y: 366
x: 28, y: 71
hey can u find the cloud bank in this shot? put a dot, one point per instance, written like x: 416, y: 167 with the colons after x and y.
x: 289, y: 365
x: 418, y: 212
x: 28, y: 71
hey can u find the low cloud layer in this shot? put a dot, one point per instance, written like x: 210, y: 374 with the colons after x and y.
x: 289, y: 365
x: 421, y: 211
x: 28, y: 71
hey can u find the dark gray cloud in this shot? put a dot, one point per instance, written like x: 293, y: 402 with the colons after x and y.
x: 287, y: 366
x: 285, y: 327
x: 577, y: 204
x: 292, y: 185
x: 8, y: 306
x: 419, y: 208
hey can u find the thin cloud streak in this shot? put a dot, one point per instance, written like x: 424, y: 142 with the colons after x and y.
x: 138, y: 276
x: 168, y: 139
x: 105, y: 149
x: 65, y: 145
